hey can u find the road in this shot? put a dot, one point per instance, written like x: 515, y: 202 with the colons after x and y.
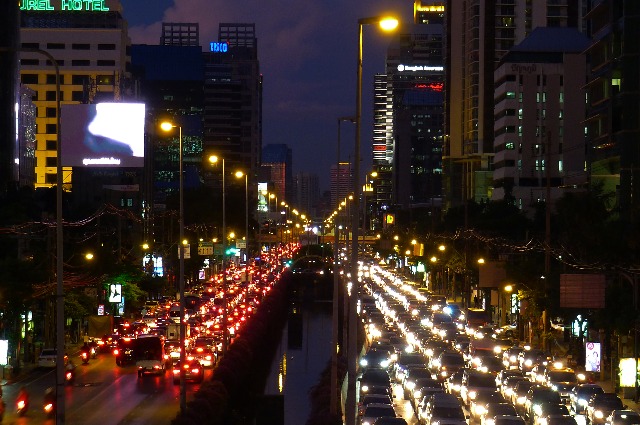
x: 102, y: 393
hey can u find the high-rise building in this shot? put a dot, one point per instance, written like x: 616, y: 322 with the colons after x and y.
x: 408, y: 116
x: 307, y: 193
x: 277, y: 170
x: 233, y: 98
x: 478, y: 35
x: 539, y: 108
x: 180, y: 34
x: 341, y: 182
x: 613, y: 127
x: 90, y: 46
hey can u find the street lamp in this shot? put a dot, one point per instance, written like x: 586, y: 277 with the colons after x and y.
x: 387, y: 24
x: 239, y: 175
x: 168, y: 126
x: 225, y: 326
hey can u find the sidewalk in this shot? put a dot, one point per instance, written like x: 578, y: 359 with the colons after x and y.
x: 71, y: 350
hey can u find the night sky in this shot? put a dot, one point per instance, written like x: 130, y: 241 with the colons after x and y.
x: 307, y: 52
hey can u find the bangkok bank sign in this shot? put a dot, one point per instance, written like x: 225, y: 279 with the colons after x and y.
x: 74, y: 5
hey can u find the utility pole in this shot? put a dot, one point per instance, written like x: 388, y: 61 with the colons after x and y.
x: 547, y: 238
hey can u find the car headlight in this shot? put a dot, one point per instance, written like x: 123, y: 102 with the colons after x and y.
x: 582, y: 402
x: 364, y: 362
x: 497, y: 349
x: 472, y: 394
x: 417, y: 394
x: 444, y: 373
x: 528, y: 362
x: 366, y: 423
x: 480, y: 410
x: 384, y: 363
x: 581, y: 377
x: 484, y: 369
x: 521, y: 400
x: 411, y: 385
x: 513, y: 359
x: 508, y: 392
x: 394, y: 357
x: 456, y: 387
x: 365, y: 388
x: 598, y: 414
x: 537, y: 409
x: 489, y: 421
x: 554, y: 387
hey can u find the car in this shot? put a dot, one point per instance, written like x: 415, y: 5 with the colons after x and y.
x: 508, y: 420
x: 519, y: 395
x: 536, y: 396
x: 600, y: 406
x: 443, y: 414
x: 478, y: 405
x: 452, y: 383
x: 193, y: 371
x: 561, y: 380
x: 373, y: 398
x: 474, y: 381
x: 205, y: 355
x: 623, y: 417
x: 561, y: 420
x: 376, y: 410
x: 411, y: 376
x: 528, y: 358
x: 580, y: 395
x: 124, y: 352
x: 491, y: 410
x: 446, y: 364
x: 489, y: 364
x: 378, y: 377
x: 375, y: 358
x: 49, y: 358
x: 387, y: 420
x: 510, y: 357
x: 547, y: 410
x: 509, y: 385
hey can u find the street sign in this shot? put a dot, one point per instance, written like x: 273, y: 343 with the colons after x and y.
x: 241, y: 244
x: 218, y: 249
x: 187, y: 251
x: 100, y: 309
x: 115, y: 293
x: 205, y: 248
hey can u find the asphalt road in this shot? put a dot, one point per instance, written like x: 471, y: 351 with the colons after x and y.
x: 102, y: 393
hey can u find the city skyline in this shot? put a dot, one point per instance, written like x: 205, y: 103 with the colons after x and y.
x: 307, y: 55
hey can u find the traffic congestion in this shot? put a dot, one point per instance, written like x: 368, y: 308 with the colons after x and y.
x: 432, y: 362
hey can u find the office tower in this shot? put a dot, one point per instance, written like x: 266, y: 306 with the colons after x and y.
x: 478, y: 34
x: 307, y: 193
x: 277, y: 170
x: 91, y: 48
x: 408, y: 116
x: 613, y: 123
x: 180, y: 34
x: 233, y: 98
x: 539, y: 118
x: 341, y: 182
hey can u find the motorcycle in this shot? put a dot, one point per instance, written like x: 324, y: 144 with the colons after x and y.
x: 85, y: 357
x: 49, y: 409
x: 94, y: 352
x: 69, y: 376
x: 22, y: 405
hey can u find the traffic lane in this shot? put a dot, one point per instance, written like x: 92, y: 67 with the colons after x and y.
x: 403, y: 406
x: 102, y: 392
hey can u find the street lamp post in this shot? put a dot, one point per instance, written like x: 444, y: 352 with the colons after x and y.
x: 168, y: 126
x: 386, y: 24
x: 240, y: 174
x: 225, y: 326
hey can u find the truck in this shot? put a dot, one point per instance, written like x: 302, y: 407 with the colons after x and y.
x: 99, y: 328
x: 173, y: 331
x: 148, y: 353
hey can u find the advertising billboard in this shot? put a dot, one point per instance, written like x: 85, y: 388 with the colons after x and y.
x: 103, y: 135
x: 592, y: 357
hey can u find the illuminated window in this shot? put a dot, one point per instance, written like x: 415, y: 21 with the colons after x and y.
x: 560, y: 166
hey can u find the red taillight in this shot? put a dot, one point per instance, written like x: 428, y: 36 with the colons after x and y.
x: 48, y: 407
x: 196, y: 371
x: 176, y: 371
x: 116, y: 352
x: 21, y: 404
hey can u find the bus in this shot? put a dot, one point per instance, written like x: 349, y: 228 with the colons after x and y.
x: 148, y: 353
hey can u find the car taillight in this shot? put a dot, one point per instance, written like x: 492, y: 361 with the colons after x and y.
x: 116, y: 352
x: 176, y: 371
x: 196, y: 371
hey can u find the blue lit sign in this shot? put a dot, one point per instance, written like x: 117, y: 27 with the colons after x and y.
x: 219, y: 46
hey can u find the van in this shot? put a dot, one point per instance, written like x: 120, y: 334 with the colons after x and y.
x: 174, y: 313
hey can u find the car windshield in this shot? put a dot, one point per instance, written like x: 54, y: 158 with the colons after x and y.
x: 548, y: 396
x: 447, y: 413
x: 561, y: 376
x: 609, y: 404
x: 452, y: 360
x: 482, y: 381
x: 501, y: 409
x: 376, y: 411
x: 587, y: 391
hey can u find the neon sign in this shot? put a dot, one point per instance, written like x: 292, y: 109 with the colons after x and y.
x: 414, y: 68
x: 75, y: 5
x: 431, y: 86
x: 219, y: 46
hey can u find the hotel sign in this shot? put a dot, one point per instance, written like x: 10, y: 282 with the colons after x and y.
x: 75, y: 5
x: 414, y: 68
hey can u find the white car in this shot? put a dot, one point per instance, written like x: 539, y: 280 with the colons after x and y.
x: 48, y: 358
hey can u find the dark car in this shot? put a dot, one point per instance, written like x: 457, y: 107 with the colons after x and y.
x: 491, y: 410
x: 580, y: 396
x: 536, y: 396
x: 124, y: 352
x: 377, y: 377
x: 600, y: 406
x: 623, y: 417
x: 193, y: 371
x: 378, y: 358
x: 548, y: 410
